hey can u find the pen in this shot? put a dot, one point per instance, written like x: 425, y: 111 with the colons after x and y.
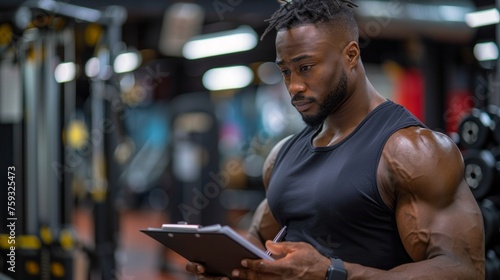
x: 278, y: 238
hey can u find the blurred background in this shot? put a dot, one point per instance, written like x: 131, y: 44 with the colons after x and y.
x: 116, y: 116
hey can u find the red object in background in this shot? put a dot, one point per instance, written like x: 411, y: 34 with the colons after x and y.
x: 410, y: 93
x: 459, y: 103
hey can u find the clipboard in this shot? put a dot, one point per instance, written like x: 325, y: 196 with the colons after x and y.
x: 219, y: 248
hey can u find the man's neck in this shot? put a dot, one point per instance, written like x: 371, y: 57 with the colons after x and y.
x: 340, y: 124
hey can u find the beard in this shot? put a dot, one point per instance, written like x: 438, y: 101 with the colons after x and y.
x: 332, y: 102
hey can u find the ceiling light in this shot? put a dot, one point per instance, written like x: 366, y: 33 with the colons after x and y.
x: 453, y: 13
x: 92, y: 67
x: 482, y: 18
x: 65, y: 72
x: 486, y: 51
x: 127, y: 62
x: 243, y: 38
x: 227, y: 78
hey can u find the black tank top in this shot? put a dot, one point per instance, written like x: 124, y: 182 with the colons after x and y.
x: 328, y: 196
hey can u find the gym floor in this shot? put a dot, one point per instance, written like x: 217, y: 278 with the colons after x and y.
x: 138, y: 256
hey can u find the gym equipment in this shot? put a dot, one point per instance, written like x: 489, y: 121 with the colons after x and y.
x: 495, y: 125
x: 491, y: 217
x: 481, y: 172
x: 195, y: 161
x: 46, y: 239
x: 104, y: 168
x: 492, y: 266
x: 475, y: 129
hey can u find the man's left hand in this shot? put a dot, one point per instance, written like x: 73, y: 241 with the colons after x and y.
x: 300, y: 261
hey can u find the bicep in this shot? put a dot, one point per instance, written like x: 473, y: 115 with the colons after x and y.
x: 429, y: 230
x: 264, y: 226
x: 435, y: 211
x: 267, y: 169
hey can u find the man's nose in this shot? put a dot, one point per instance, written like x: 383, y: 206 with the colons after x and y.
x: 296, y: 85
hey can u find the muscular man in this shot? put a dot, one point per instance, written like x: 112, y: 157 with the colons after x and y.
x: 365, y: 190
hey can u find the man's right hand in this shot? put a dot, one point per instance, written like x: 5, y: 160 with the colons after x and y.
x: 199, y: 270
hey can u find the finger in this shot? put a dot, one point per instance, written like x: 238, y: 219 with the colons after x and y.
x: 195, y: 268
x: 204, y: 277
x: 279, y: 249
x: 247, y: 274
x: 265, y: 266
x: 199, y: 269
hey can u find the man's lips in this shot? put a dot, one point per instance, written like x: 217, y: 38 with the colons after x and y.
x: 302, y: 105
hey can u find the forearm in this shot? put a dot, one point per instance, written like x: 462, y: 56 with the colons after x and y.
x: 438, y: 268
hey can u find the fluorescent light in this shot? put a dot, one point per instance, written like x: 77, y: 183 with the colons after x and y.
x: 241, y: 39
x: 92, y: 67
x: 65, y: 72
x: 482, y: 18
x: 126, y: 62
x: 453, y: 13
x: 227, y: 78
x: 486, y: 51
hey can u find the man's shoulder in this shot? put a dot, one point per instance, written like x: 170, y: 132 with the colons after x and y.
x: 416, y: 157
x: 416, y: 139
x: 280, y: 144
x: 271, y: 160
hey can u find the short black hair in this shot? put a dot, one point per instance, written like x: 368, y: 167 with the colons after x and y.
x: 293, y: 13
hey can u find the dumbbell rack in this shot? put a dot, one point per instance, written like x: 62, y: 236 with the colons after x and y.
x: 479, y: 138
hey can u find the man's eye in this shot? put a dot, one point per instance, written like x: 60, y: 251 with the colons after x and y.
x: 305, y: 68
x: 285, y: 72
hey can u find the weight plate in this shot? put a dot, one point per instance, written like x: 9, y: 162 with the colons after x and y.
x: 474, y: 130
x: 480, y: 171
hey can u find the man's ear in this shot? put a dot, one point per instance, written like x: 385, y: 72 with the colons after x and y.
x: 352, y: 53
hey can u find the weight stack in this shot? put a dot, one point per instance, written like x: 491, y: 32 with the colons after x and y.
x: 31, y: 257
x: 62, y: 255
x: 4, y: 258
x: 26, y: 258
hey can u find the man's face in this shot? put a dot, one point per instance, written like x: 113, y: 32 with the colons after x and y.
x: 310, y: 62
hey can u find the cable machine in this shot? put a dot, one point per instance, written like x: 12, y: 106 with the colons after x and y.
x: 45, y: 52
